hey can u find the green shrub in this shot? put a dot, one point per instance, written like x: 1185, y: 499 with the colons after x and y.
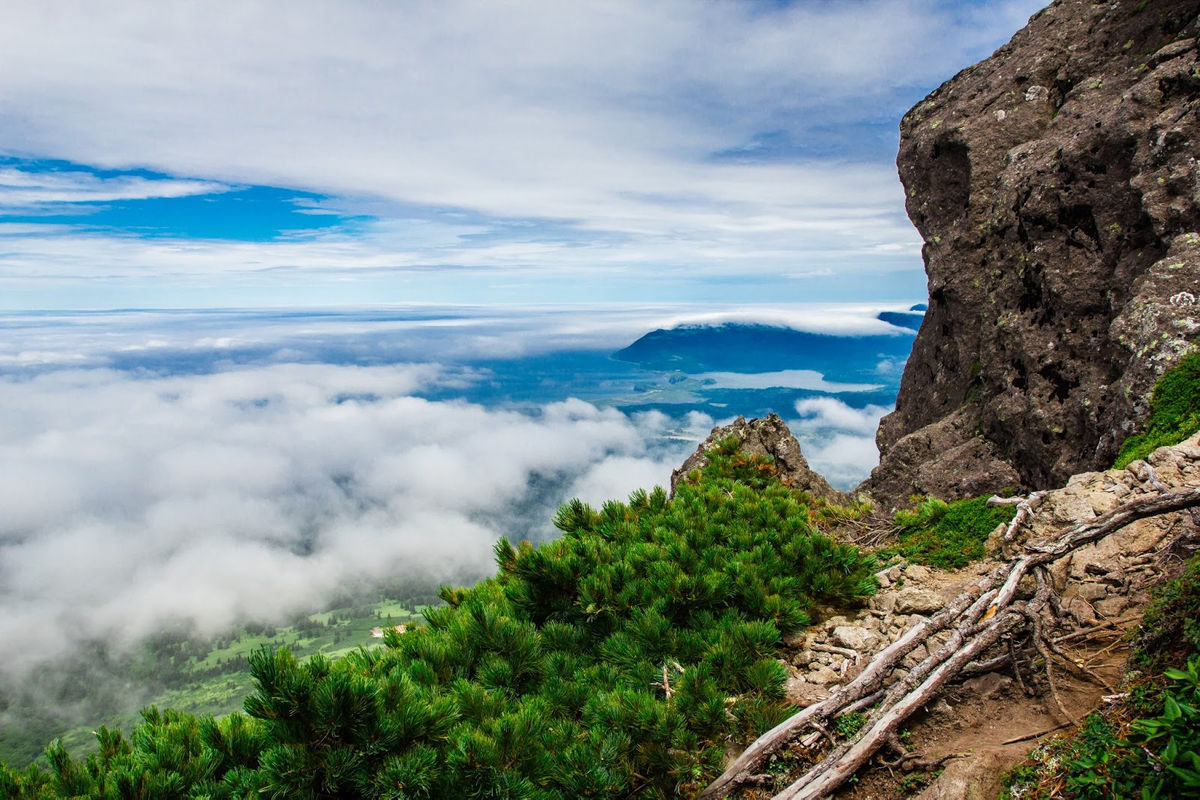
x: 1170, y: 631
x: 1174, y: 412
x: 616, y: 661
x: 1172, y: 739
x: 947, y: 535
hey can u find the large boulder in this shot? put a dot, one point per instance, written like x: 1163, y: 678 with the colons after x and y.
x: 1055, y: 186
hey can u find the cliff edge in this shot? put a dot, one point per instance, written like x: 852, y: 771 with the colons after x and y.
x: 1057, y: 191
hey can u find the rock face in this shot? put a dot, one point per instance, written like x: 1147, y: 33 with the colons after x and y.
x: 764, y: 437
x: 1057, y: 190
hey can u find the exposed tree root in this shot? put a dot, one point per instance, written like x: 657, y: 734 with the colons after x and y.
x: 976, y: 620
x: 1025, y: 509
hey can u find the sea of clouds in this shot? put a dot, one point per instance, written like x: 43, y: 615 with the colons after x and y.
x: 207, y: 469
x: 132, y: 501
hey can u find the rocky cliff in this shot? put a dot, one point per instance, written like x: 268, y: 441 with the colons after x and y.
x: 1057, y: 190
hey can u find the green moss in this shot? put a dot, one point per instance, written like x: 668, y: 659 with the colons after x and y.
x: 947, y: 535
x: 848, y: 725
x: 1174, y: 412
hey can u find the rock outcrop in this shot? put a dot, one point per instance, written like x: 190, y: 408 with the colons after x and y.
x: 764, y: 437
x: 1057, y: 190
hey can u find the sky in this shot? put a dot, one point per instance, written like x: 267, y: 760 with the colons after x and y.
x: 267, y: 154
x: 650, y: 163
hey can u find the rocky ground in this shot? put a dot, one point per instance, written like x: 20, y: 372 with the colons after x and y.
x: 988, y: 721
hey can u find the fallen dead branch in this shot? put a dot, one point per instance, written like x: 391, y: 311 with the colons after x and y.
x: 1025, y: 509
x: 976, y: 620
x: 1029, y: 736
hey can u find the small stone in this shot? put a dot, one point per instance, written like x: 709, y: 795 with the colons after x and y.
x: 1092, y: 592
x: 885, y: 602
x: 941, y: 708
x: 1116, y: 578
x: 802, y: 693
x: 796, y: 639
x: 822, y: 676
x: 975, y: 777
x: 1081, y: 611
x: 916, y: 656
x: 918, y: 601
x: 1111, y: 607
x: 987, y: 685
x: 995, y: 540
x: 854, y: 638
x: 1036, y: 94
x: 916, y: 572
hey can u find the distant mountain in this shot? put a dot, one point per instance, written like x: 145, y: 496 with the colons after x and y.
x: 903, y: 319
x: 734, y: 347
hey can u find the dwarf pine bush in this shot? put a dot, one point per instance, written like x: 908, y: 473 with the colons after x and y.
x: 615, y: 661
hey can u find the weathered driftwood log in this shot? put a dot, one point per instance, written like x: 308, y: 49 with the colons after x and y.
x: 977, y: 619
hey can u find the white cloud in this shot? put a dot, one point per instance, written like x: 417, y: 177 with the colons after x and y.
x: 616, y: 478
x: 831, y: 413
x: 127, y: 501
x: 609, y: 118
x: 844, y: 459
x: 837, y: 439
x: 22, y: 189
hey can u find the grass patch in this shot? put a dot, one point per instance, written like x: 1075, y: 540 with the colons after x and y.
x: 1174, y: 412
x: 947, y: 535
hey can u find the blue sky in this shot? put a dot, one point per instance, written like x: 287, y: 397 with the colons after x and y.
x: 319, y: 153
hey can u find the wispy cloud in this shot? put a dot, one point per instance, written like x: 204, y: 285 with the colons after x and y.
x: 26, y: 189
x: 837, y: 439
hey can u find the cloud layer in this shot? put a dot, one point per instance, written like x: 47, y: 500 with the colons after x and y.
x: 131, y: 501
x: 582, y: 141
